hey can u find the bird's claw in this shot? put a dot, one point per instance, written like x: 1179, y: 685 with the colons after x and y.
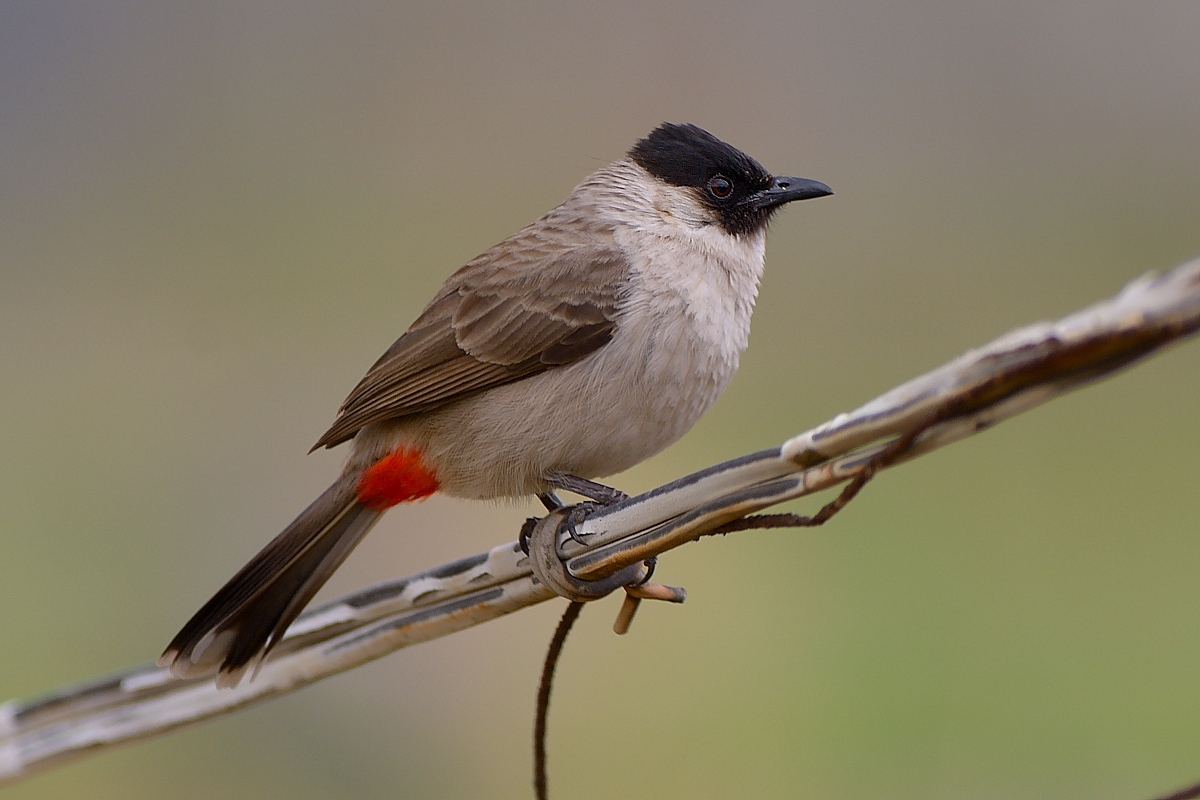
x: 578, y: 513
x: 527, y: 531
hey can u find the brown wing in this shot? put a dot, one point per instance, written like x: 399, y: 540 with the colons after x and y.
x: 541, y: 299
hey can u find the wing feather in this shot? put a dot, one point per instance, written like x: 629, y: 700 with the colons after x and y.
x: 544, y: 298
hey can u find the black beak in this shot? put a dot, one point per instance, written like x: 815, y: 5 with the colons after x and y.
x: 785, y: 190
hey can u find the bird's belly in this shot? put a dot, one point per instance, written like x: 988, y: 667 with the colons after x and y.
x: 598, y: 416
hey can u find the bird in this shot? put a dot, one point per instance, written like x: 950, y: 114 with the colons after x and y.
x: 574, y: 349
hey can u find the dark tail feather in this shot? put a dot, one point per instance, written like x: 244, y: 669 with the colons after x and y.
x: 243, y: 621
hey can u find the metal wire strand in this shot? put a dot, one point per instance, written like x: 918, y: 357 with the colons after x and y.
x: 987, y: 385
x: 1188, y: 793
x: 543, y: 697
x: 897, y: 448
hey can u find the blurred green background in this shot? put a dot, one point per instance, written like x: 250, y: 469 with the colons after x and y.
x: 214, y: 217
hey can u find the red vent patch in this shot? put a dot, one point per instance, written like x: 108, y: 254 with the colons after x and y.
x: 399, y: 477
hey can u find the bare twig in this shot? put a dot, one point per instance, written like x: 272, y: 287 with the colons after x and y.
x: 1011, y: 374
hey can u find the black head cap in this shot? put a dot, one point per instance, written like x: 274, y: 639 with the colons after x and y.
x: 734, y: 185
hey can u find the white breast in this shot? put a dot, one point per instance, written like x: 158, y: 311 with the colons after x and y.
x: 686, y: 323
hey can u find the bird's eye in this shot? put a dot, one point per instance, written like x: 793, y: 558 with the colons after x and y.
x: 720, y: 187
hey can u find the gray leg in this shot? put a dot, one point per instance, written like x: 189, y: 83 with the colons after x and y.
x: 604, y: 495
x: 550, y: 501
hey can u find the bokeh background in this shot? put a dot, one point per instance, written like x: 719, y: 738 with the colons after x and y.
x: 213, y: 218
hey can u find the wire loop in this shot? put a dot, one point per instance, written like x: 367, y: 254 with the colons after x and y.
x: 549, y: 569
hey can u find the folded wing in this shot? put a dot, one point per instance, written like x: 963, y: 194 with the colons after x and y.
x: 541, y: 299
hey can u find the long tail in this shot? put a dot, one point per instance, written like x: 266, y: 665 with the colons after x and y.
x: 242, y: 622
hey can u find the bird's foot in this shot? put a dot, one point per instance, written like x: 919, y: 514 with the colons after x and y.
x: 599, y: 496
x: 578, y: 513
